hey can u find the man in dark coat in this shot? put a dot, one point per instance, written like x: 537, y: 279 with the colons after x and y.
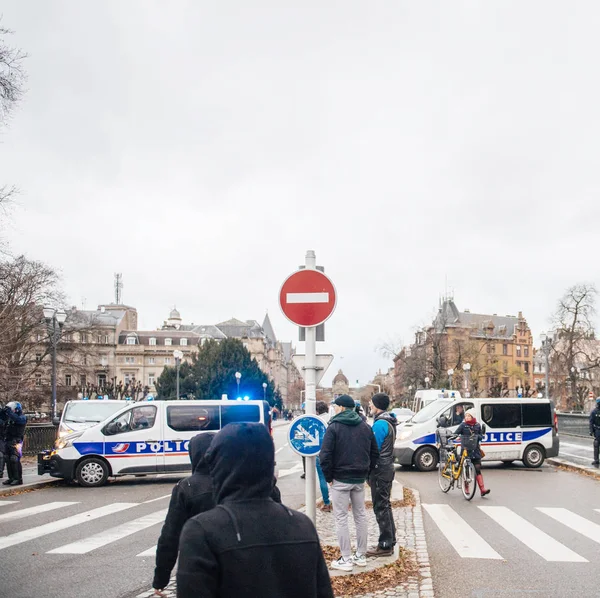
x: 595, y: 431
x: 190, y: 497
x: 14, y: 435
x: 248, y: 545
x: 382, y: 476
x: 348, y: 454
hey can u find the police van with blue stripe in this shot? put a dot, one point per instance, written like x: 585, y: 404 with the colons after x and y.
x: 144, y: 438
x: 516, y: 430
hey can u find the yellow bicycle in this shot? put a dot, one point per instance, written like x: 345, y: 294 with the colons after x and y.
x: 455, y: 468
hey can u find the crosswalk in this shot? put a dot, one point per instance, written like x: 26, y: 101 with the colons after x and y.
x: 469, y: 544
x: 66, y: 519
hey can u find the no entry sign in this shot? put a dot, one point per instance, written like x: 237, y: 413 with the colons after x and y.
x: 307, y: 298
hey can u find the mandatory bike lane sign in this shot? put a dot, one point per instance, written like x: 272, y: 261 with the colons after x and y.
x: 305, y: 435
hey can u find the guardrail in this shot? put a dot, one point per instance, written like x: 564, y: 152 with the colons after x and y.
x: 38, y: 437
x: 576, y: 424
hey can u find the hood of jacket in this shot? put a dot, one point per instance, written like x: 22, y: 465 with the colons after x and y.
x: 198, y: 448
x: 389, y: 417
x: 241, y: 459
x: 348, y: 417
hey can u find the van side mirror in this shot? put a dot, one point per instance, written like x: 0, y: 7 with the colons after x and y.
x: 55, y: 421
x: 110, y: 429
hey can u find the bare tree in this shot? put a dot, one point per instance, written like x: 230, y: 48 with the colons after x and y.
x: 12, y: 75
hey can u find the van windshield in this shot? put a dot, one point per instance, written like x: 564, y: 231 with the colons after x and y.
x: 91, y: 412
x: 428, y: 412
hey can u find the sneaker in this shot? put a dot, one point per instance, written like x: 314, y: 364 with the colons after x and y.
x: 342, y: 564
x: 379, y: 551
x: 360, y: 560
x: 326, y: 508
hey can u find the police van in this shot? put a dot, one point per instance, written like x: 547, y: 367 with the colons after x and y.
x: 516, y: 430
x: 143, y: 438
x: 80, y: 414
x: 424, y: 397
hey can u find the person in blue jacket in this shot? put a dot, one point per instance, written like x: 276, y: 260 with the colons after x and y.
x: 15, y: 433
x: 382, y: 476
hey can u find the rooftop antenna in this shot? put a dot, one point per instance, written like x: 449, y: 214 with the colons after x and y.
x: 118, y: 288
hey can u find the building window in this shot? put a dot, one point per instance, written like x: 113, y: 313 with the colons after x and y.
x: 99, y: 339
x: 168, y: 342
x: 68, y: 380
x: 505, y: 366
x: 151, y: 361
x: 39, y: 338
x: 130, y: 360
x: 153, y: 342
x: 106, y: 339
x: 38, y: 379
x: 104, y: 360
x: 167, y: 361
x: 38, y: 357
x: 518, y: 350
x: 504, y: 349
x: 66, y: 338
x: 82, y: 380
x: 83, y: 337
x: 101, y: 379
x: 526, y: 351
x: 183, y: 342
x: 150, y: 379
x: 131, y: 340
x: 491, y: 348
x: 526, y: 366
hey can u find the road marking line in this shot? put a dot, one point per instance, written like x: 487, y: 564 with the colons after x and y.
x: 56, y: 526
x: 579, y: 446
x: 572, y: 455
x: 534, y: 538
x: 51, y: 506
x: 111, y: 535
x: 155, y: 499
x: 464, y: 539
x: 281, y: 448
x: 307, y: 298
x: 8, y: 502
x: 285, y: 472
x: 586, y: 528
x: 149, y: 552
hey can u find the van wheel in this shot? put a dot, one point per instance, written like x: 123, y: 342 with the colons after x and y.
x: 534, y: 456
x: 92, y: 472
x: 426, y: 459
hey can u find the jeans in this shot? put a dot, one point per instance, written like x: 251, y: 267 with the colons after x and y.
x: 343, y: 494
x: 381, y: 492
x: 322, y: 483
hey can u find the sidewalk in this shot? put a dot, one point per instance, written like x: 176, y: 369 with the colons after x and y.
x: 31, y: 480
x: 411, y: 537
x: 571, y: 465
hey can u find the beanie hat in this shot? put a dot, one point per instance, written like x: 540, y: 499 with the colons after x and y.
x: 344, y: 401
x: 598, y: 401
x: 381, y: 401
x: 470, y: 412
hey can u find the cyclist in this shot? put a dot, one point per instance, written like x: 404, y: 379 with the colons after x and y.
x: 467, y: 430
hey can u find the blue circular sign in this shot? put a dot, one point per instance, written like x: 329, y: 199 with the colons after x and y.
x: 305, y: 435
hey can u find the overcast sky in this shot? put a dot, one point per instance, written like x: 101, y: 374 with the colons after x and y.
x: 200, y: 148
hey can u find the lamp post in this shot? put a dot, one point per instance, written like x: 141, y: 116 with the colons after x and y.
x: 178, y: 355
x: 574, y: 375
x: 426, y: 381
x: 264, y: 391
x: 450, y: 373
x: 55, y: 320
x: 546, y: 346
x: 467, y: 369
x: 238, y: 377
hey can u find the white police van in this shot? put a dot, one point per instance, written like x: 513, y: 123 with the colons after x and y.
x: 424, y: 397
x: 516, y: 429
x: 81, y: 414
x: 144, y: 438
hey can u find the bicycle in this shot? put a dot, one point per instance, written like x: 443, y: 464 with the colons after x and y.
x: 455, y: 467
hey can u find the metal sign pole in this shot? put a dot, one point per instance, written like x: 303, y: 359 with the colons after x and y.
x: 310, y: 378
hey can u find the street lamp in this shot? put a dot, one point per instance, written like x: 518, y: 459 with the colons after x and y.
x: 546, y: 347
x: 178, y: 355
x: 264, y: 391
x: 467, y: 369
x: 238, y: 377
x: 426, y: 381
x: 55, y: 320
x: 450, y: 373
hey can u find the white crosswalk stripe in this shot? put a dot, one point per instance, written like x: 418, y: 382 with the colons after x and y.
x: 8, y: 502
x: 537, y: 540
x: 586, y: 528
x: 61, y: 524
x: 51, y: 506
x: 111, y: 535
x: 465, y: 540
x: 149, y: 552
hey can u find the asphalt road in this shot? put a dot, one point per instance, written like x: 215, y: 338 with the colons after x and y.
x: 77, y: 542
x: 577, y: 449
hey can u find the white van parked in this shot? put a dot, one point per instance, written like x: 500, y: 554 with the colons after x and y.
x: 424, y: 397
x: 144, y: 438
x: 81, y: 414
x: 516, y: 429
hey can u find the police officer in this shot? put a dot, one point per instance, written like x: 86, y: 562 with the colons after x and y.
x: 595, y: 431
x: 3, y: 424
x: 15, y: 433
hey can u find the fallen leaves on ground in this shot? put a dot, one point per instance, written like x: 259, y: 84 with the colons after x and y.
x: 408, y: 501
x: 388, y: 576
x: 585, y: 472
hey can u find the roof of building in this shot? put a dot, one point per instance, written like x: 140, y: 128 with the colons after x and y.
x: 78, y: 318
x: 237, y: 329
x: 144, y: 336
x: 268, y: 329
x: 287, y: 351
x: 339, y: 377
x: 174, y: 315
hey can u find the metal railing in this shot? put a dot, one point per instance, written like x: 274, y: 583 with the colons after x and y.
x: 575, y: 424
x: 38, y: 437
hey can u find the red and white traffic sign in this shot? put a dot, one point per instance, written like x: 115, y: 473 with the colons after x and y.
x: 591, y: 395
x: 307, y: 298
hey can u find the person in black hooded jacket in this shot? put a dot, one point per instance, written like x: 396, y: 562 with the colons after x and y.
x: 190, y: 496
x: 248, y: 545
